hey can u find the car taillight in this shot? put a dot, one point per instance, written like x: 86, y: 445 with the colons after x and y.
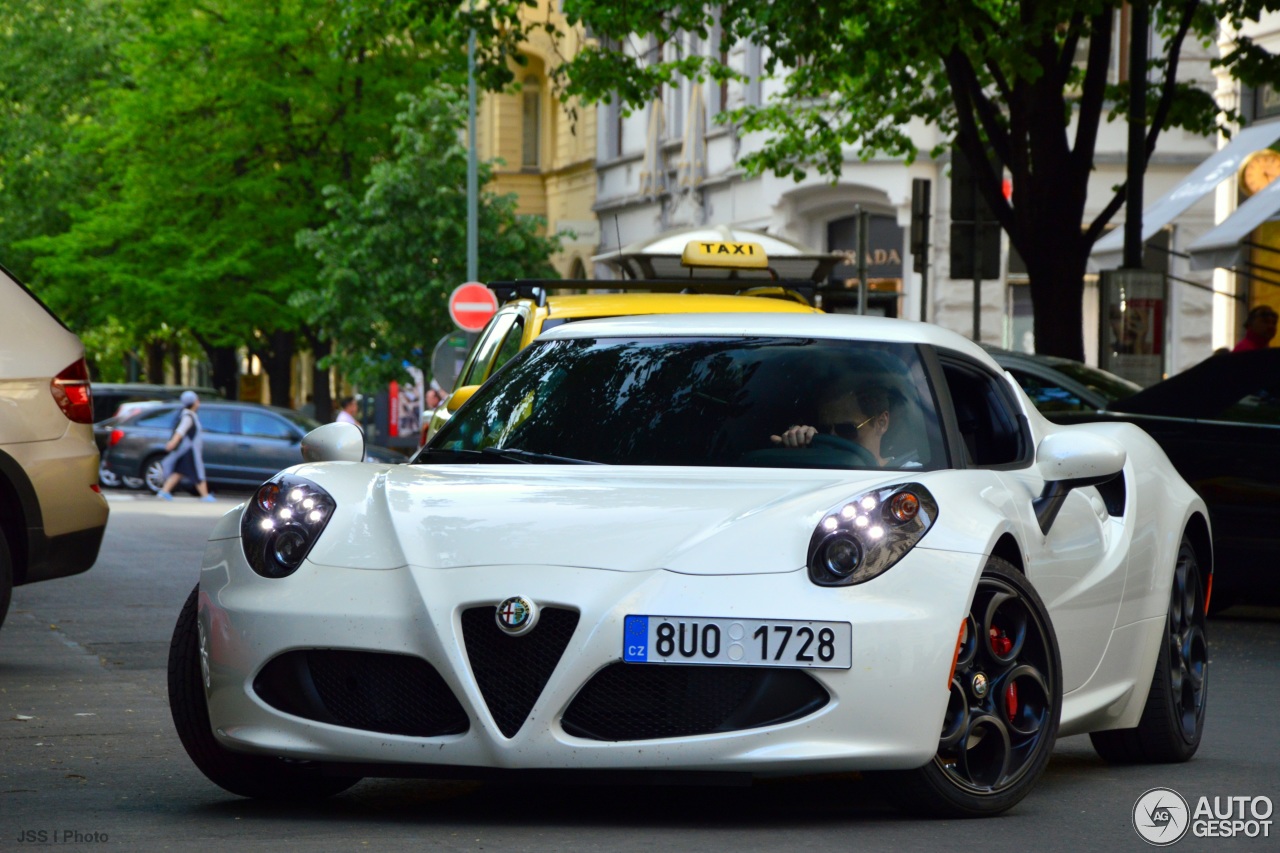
x: 70, y: 389
x: 116, y: 435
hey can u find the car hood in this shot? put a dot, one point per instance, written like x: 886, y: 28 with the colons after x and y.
x: 689, y: 520
x: 1204, y: 390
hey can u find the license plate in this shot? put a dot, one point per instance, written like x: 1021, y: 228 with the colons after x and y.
x: 738, y: 642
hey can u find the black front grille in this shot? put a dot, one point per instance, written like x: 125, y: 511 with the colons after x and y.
x: 511, y: 671
x: 374, y: 691
x: 648, y: 701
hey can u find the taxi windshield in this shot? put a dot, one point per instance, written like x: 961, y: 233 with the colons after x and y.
x: 701, y: 402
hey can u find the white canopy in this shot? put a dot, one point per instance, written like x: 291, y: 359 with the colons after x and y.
x: 659, y: 257
x: 1221, y: 246
x: 1108, y: 252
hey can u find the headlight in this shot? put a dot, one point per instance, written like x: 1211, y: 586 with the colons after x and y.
x: 863, y: 537
x: 282, y: 522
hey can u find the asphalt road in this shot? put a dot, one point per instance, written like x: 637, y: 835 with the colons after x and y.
x: 88, y: 754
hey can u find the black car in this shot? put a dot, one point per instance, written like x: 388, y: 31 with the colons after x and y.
x: 1219, y: 423
x: 1061, y: 385
x: 244, y: 443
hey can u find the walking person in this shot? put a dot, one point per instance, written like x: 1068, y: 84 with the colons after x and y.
x: 1259, y: 329
x: 186, y: 452
x: 347, y: 408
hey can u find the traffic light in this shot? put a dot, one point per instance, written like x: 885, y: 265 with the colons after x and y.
x: 973, y: 225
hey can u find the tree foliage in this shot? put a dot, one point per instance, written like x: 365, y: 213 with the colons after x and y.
x: 389, y: 258
x: 1022, y: 87
x: 159, y: 157
x: 212, y: 159
x: 56, y: 61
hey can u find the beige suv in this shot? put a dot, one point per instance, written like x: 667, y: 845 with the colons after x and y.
x: 52, y: 514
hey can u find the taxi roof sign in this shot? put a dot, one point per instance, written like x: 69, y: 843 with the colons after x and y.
x: 728, y: 255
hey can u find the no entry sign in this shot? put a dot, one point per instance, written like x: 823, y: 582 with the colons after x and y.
x: 471, y: 305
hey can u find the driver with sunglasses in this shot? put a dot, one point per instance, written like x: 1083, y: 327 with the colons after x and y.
x: 845, y: 414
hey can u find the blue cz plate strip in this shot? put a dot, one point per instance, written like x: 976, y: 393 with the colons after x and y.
x: 635, y: 639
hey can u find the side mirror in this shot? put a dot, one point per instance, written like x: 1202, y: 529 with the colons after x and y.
x: 1069, y: 460
x: 459, y: 397
x: 334, y: 443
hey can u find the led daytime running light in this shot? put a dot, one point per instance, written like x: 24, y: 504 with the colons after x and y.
x: 282, y: 522
x: 861, y: 538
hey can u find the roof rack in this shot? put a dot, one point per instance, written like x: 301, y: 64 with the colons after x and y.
x: 536, y: 288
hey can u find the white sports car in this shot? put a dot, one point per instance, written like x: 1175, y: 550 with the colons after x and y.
x: 731, y: 544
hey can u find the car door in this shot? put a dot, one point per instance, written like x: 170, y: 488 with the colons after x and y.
x: 218, y: 430
x: 1075, y: 568
x: 508, y: 324
x: 498, y: 343
x: 267, y: 444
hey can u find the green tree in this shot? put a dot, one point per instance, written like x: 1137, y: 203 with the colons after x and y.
x: 1024, y: 82
x: 389, y: 258
x: 213, y: 157
x: 57, y: 60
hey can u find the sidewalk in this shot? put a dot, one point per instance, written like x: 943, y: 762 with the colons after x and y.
x: 182, y: 506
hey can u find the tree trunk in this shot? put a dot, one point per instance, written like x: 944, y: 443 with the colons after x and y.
x: 1056, y: 296
x: 155, y: 362
x: 175, y: 359
x: 278, y: 363
x: 225, y: 371
x: 320, y: 380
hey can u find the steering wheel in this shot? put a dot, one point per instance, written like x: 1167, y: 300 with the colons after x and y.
x: 834, y: 443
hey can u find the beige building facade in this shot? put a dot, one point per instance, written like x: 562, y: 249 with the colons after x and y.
x: 547, y: 148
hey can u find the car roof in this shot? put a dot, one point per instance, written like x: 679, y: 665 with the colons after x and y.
x: 149, y: 388
x: 785, y: 324
x: 571, y: 306
x: 1100, y: 385
x: 1207, y: 388
x: 232, y: 404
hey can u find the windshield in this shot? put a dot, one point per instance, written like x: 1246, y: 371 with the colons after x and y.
x: 700, y: 401
x: 1108, y: 385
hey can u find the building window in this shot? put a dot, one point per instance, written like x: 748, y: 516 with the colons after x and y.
x: 532, y: 123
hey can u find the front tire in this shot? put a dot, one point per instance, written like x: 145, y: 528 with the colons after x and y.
x: 1006, y: 699
x: 6, y: 577
x: 1172, y: 721
x: 257, y: 776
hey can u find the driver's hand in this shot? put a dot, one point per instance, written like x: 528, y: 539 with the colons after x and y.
x: 795, y: 436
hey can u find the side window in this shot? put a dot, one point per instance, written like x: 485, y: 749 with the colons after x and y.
x: 217, y: 420
x: 478, y: 368
x: 510, y: 345
x: 989, y: 423
x: 1048, y: 396
x: 163, y: 418
x: 265, y: 426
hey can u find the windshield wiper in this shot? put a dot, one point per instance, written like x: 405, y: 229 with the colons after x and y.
x: 530, y: 457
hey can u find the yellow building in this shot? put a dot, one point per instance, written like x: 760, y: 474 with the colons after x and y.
x: 547, y: 159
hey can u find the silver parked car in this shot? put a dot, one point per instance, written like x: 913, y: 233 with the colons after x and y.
x: 244, y: 443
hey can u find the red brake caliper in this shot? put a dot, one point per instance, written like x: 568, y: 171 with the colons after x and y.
x: 1001, y: 645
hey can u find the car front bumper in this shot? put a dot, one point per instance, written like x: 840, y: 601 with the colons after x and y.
x: 885, y: 712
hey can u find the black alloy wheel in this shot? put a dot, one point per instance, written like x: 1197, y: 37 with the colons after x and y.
x: 1172, y: 721
x: 1006, y: 698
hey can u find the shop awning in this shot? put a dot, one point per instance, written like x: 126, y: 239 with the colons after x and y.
x: 1108, y: 252
x: 1221, y: 246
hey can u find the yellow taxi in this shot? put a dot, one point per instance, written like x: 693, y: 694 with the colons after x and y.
x: 527, y: 309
